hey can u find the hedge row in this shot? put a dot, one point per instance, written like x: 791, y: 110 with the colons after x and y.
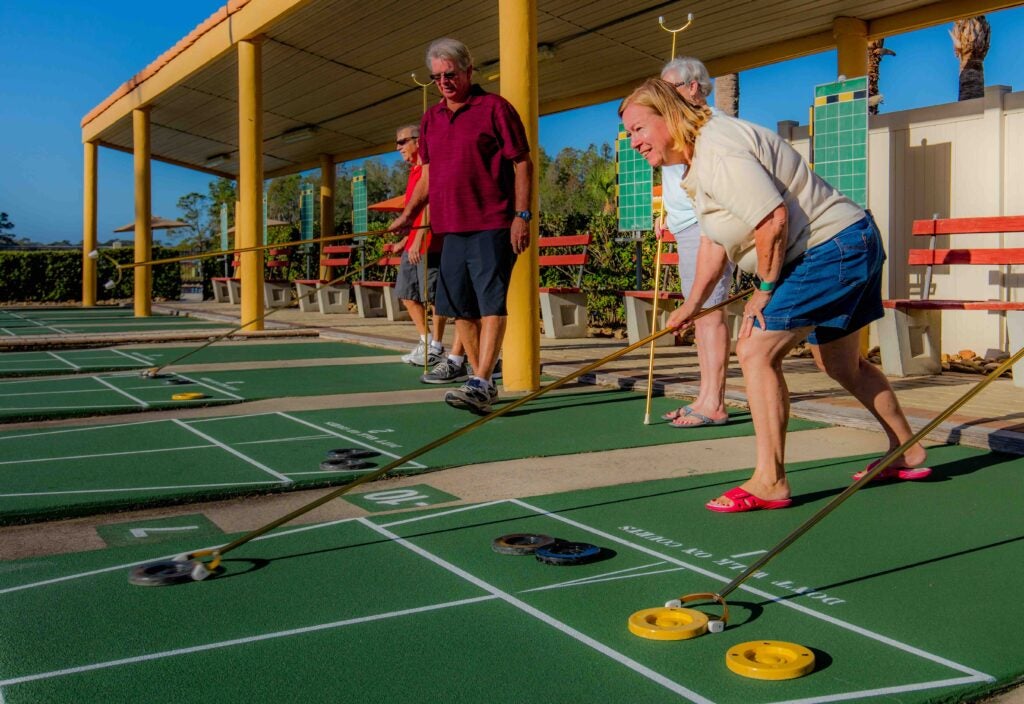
x: 55, y: 276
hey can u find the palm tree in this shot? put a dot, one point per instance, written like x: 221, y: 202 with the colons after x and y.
x: 970, y: 44
x: 727, y: 94
x: 876, y: 52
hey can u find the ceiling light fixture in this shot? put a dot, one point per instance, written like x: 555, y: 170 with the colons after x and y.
x: 216, y: 160
x: 298, y: 135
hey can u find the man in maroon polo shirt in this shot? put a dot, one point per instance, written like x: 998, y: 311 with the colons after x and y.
x: 477, y: 178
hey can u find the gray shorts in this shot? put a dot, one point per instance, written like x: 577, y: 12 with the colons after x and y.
x: 687, y: 243
x: 409, y: 285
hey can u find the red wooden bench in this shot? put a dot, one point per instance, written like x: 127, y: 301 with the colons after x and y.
x: 315, y: 294
x: 638, y: 304
x: 376, y: 298
x: 276, y: 289
x: 564, y: 308
x: 910, y: 335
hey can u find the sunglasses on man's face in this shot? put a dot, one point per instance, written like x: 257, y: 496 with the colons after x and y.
x: 447, y: 75
x: 402, y: 142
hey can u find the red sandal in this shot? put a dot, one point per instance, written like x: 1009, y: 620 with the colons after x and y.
x: 743, y: 501
x: 907, y: 474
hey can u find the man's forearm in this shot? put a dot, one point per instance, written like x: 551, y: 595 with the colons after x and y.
x: 523, y: 183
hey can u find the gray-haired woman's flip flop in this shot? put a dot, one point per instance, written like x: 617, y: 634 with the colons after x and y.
x: 678, y: 413
x: 704, y: 420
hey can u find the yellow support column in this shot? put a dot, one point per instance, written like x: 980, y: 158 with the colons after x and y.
x: 517, y: 22
x: 851, y: 36
x: 143, y: 213
x: 328, y: 181
x: 89, y: 241
x: 249, y: 219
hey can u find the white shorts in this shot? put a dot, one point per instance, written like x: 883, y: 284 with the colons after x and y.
x: 687, y: 243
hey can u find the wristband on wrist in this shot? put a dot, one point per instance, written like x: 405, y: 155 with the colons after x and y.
x: 766, y: 286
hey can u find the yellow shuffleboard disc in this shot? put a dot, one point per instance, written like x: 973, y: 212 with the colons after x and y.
x: 188, y: 396
x: 770, y: 660
x: 663, y: 623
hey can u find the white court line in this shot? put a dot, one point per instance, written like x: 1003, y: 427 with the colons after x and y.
x: 271, y: 441
x: 66, y: 458
x: 30, y: 369
x: 976, y: 674
x: 586, y: 640
x: 599, y: 578
x: 89, y: 429
x: 134, y: 357
x: 8, y: 332
x: 211, y: 387
x: 50, y: 393
x: 121, y: 391
x: 242, y: 641
x: 102, y: 570
x: 345, y: 437
x: 236, y: 453
x: 91, y: 406
x: 884, y: 691
x: 116, y: 490
x: 61, y: 359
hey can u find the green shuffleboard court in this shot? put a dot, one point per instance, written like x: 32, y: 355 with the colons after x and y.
x: 77, y: 471
x: 123, y: 392
x: 894, y: 605
x: 84, y: 321
x: 115, y: 358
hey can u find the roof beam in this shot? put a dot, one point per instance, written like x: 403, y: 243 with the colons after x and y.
x: 250, y: 19
x: 168, y: 160
x: 931, y: 15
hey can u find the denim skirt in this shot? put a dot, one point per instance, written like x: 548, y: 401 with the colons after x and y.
x: 834, y: 287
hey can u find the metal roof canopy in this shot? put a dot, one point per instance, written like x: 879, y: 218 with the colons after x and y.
x: 344, y: 67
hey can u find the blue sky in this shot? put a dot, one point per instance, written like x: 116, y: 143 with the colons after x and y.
x: 60, y: 58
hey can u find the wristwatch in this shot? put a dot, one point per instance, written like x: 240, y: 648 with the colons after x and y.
x: 766, y: 286
x: 524, y: 214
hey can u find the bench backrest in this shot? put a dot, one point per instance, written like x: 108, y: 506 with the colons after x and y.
x: 277, y: 258
x: 992, y: 256
x: 966, y: 226
x: 579, y: 257
x: 391, y: 255
x: 336, y: 255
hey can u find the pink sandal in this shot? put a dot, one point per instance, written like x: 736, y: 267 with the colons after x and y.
x: 907, y: 474
x: 743, y: 501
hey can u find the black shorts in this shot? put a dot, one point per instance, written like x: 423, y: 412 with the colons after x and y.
x: 409, y: 284
x: 476, y: 268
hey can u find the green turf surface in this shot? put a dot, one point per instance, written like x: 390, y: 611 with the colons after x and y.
x: 917, y: 610
x: 97, y: 394
x: 115, y: 358
x: 164, y: 324
x: 76, y: 471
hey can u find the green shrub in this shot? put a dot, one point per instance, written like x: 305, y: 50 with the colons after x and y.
x: 55, y: 276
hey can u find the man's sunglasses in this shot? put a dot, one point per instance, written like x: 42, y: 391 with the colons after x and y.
x: 402, y: 142
x: 447, y: 75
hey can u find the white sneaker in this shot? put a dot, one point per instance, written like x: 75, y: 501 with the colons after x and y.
x: 417, y: 350
x: 415, y: 358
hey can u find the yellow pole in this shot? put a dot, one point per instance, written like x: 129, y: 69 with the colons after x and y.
x: 328, y: 182
x: 143, y: 213
x: 249, y: 221
x: 851, y: 36
x: 654, y: 317
x: 89, y: 240
x: 517, y: 23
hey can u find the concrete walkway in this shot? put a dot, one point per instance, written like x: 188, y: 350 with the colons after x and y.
x: 993, y: 420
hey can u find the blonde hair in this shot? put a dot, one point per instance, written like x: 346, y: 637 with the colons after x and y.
x: 682, y: 118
